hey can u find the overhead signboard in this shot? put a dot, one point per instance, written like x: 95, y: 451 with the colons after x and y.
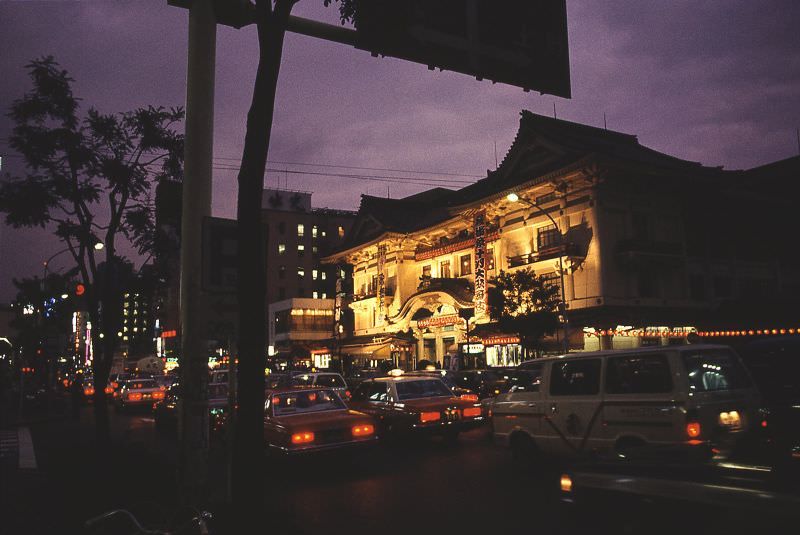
x: 517, y: 42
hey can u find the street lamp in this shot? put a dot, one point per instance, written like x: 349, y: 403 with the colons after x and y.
x: 513, y: 197
x: 98, y: 246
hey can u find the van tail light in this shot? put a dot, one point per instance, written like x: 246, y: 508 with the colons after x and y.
x: 469, y: 397
x: 693, y: 429
x: 158, y: 395
x: 303, y: 438
x: 347, y: 394
x: 88, y: 391
x: 363, y: 430
x: 135, y: 396
x: 566, y: 483
x: 429, y: 416
x: 472, y: 412
x: 108, y: 390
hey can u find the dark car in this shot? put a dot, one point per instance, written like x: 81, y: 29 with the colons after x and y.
x: 358, y: 376
x: 416, y: 405
x: 775, y: 367
x: 447, y: 378
x: 485, y: 383
x: 166, y: 411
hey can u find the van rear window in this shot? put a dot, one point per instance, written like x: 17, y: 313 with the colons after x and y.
x: 712, y: 370
x: 638, y: 374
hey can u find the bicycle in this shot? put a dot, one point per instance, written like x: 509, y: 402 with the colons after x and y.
x: 200, y: 521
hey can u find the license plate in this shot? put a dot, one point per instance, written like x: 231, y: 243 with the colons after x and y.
x: 730, y: 419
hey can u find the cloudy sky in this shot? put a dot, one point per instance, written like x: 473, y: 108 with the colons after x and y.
x: 714, y: 81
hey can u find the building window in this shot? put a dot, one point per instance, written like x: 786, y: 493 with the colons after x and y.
x: 282, y: 227
x: 315, y: 294
x: 281, y: 248
x: 314, y: 250
x: 281, y: 272
x: 426, y: 271
x: 301, y: 273
x: 444, y: 269
x: 324, y: 233
x: 322, y: 275
x: 722, y: 287
x: 324, y: 295
x: 647, y: 283
x: 301, y: 250
x: 281, y: 293
x: 314, y: 231
x: 547, y: 237
x: 552, y: 279
x: 697, y: 287
x: 301, y: 230
x: 466, y: 264
x: 341, y: 231
x: 314, y: 274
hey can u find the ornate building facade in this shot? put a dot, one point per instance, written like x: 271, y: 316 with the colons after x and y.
x: 640, y: 240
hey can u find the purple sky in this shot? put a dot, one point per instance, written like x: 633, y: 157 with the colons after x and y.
x: 714, y: 81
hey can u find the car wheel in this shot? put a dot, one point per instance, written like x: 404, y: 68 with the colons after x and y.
x: 524, y: 452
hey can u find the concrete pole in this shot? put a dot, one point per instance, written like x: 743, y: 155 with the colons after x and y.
x: 196, y: 205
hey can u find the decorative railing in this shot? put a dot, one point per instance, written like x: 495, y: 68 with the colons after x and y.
x: 538, y: 256
x: 458, y: 244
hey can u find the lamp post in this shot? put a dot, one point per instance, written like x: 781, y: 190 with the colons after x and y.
x: 97, y: 247
x: 513, y: 197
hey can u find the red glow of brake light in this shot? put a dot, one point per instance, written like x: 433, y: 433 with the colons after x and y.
x: 347, y: 394
x: 276, y: 400
x: 303, y: 438
x: 134, y: 396
x: 763, y: 423
x: 312, y: 396
x: 108, y: 390
x: 158, y: 395
x: 363, y: 430
x: 88, y: 391
x: 114, y: 384
x: 472, y: 412
x: 469, y: 397
x: 693, y: 429
x: 429, y: 416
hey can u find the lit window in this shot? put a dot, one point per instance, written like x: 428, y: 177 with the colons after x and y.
x: 301, y: 273
x: 341, y: 231
x: 314, y: 294
x: 301, y: 250
x: 281, y: 248
x: 324, y: 233
x: 341, y: 273
x: 314, y: 231
x: 324, y: 295
x: 314, y: 274
x: 301, y: 230
x: 322, y: 275
x: 314, y: 249
x: 282, y: 272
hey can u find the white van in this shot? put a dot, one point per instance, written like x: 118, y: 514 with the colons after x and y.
x: 672, y: 402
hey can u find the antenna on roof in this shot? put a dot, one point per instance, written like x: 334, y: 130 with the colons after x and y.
x: 554, y: 111
x: 495, y: 154
x: 605, y: 125
x: 388, y: 195
x: 797, y: 131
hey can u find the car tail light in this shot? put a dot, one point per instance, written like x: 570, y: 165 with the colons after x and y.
x: 429, y: 416
x: 88, y: 391
x: 108, y: 390
x: 303, y: 438
x: 347, y: 394
x: 472, y: 412
x: 363, y: 430
x: 470, y: 397
x: 693, y: 429
x: 764, y: 423
x: 158, y: 395
x: 566, y: 483
x: 114, y: 384
x: 135, y: 396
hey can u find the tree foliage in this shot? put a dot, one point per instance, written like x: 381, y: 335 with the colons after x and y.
x: 89, y: 179
x: 524, y: 303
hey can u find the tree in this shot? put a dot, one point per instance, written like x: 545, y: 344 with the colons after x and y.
x: 524, y: 303
x: 248, y: 459
x: 89, y: 180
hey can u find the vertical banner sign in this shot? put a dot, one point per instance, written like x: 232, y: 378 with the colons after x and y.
x: 480, y: 264
x: 381, y: 284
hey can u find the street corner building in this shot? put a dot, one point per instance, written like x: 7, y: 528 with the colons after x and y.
x: 649, y: 247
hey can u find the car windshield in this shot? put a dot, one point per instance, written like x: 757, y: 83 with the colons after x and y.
x: 303, y: 380
x: 330, y: 380
x: 305, y: 401
x: 144, y: 383
x: 714, y: 369
x: 274, y: 381
x: 425, y: 388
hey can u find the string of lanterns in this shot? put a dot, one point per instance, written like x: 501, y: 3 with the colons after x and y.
x: 749, y: 332
x: 667, y: 333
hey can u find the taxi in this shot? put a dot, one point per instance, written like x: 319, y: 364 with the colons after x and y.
x: 139, y: 393
x: 300, y: 420
x: 414, y: 404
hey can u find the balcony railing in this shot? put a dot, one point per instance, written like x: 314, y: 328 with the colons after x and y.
x: 538, y: 256
x: 458, y: 243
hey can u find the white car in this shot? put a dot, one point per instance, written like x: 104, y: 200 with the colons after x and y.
x: 664, y: 403
x: 139, y: 393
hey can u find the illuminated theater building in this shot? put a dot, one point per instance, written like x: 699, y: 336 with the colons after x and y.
x: 648, y: 246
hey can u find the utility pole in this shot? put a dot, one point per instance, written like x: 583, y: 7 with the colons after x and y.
x: 196, y: 204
